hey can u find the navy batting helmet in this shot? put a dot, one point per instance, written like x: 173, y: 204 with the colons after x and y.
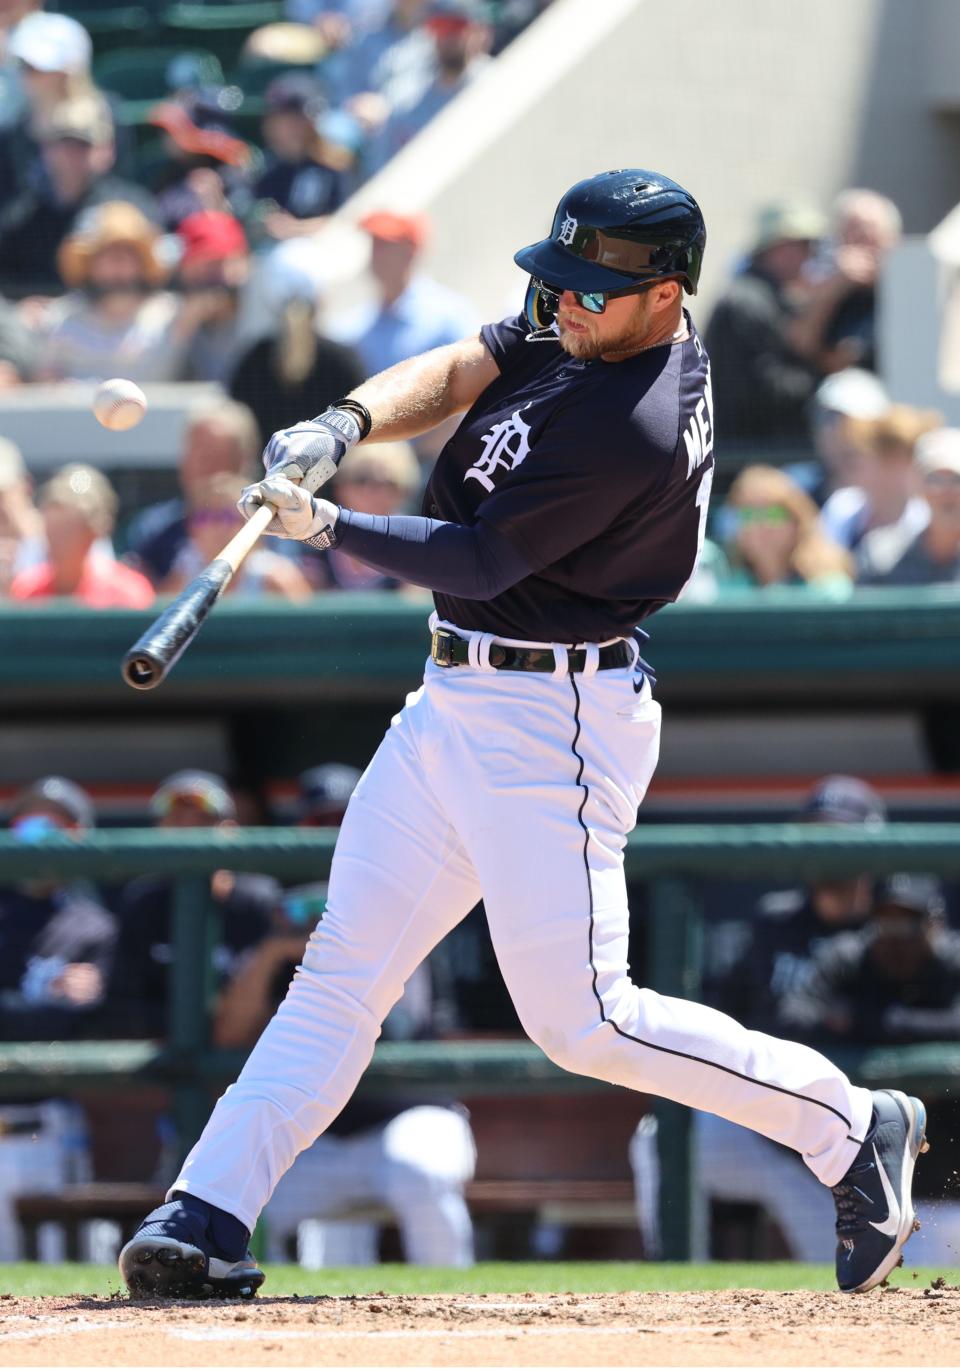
x: 618, y: 229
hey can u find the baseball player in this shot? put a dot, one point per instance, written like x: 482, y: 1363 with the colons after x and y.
x: 568, y: 507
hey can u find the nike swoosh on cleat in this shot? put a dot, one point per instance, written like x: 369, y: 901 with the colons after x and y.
x: 890, y: 1226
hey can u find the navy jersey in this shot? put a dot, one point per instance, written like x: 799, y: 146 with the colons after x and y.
x: 599, y: 474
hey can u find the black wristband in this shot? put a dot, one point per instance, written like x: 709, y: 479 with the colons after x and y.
x: 360, y: 412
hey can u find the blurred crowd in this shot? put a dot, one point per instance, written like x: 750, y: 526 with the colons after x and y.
x: 825, y: 481
x: 838, y: 483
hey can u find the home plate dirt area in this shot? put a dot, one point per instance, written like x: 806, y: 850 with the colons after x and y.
x: 902, y: 1326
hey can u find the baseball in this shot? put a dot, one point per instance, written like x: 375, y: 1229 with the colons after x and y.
x: 119, y: 405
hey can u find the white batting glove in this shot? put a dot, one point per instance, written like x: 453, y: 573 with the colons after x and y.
x: 297, y: 513
x: 315, y: 448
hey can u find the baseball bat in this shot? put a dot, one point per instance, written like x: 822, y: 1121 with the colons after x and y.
x: 152, y: 656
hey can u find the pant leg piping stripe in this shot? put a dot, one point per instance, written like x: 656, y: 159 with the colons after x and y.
x: 653, y: 1046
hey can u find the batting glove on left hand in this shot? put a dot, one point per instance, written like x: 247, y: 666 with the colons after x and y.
x: 297, y: 514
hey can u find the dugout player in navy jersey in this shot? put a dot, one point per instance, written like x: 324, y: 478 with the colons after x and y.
x: 568, y: 507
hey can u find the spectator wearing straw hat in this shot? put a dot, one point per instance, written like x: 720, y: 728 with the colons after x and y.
x: 79, y: 507
x: 117, y: 319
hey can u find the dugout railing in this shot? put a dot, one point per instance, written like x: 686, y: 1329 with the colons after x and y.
x: 671, y: 860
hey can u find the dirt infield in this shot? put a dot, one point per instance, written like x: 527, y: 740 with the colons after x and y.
x: 914, y: 1326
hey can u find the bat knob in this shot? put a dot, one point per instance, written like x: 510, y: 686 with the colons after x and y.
x: 141, y: 672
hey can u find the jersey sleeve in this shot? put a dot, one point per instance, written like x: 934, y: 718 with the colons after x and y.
x: 587, y: 474
x: 505, y: 341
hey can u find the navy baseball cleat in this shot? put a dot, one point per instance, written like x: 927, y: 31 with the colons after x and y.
x: 187, y: 1249
x: 874, y: 1204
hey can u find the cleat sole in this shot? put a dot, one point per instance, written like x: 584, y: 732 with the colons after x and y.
x: 175, y: 1270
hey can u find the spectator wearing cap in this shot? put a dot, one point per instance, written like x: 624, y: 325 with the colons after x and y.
x: 294, y: 370
x: 213, y: 276
x: 21, y: 523
x: 300, y: 187
x: 117, y: 318
x: 835, y: 461
x: 79, y: 508
x: 384, y: 479
x: 751, y: 964
x: 761, y: 384
x: 57, y: 939
x: 896, y: 979
x: 834, y: 328
x: 48, y: 60
x: 245, y: 905
x: 77, y: 146
x: 411, y: 1156
x: 220, y: 437
x: 57, y: 943
x: 462, y: 37
x: 411, y: 312
x: 932, y: 557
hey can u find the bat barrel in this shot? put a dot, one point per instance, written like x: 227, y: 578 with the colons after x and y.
x: 161, y: 646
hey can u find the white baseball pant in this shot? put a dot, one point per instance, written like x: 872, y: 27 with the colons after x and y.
x: 521, y: 787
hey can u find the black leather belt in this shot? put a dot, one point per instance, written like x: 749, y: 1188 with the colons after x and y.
x: 447, y: 649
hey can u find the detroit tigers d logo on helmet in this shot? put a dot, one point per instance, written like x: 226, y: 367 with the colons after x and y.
x: 619, y: 228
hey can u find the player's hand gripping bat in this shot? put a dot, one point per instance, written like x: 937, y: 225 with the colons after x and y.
x: 308, y: 453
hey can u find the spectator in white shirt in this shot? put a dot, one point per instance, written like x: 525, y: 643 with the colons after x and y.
x: 881, y: 511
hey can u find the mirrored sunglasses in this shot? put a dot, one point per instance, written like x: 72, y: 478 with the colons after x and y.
x: 594, y: 301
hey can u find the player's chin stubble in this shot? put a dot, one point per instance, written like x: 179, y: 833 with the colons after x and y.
x: 586, y: 346
x: 581, y: 345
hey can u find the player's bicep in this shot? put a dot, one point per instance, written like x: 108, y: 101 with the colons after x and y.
x: 472, y: 369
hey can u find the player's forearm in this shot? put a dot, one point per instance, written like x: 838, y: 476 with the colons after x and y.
x: 470, y: 563
x: 412, y: 397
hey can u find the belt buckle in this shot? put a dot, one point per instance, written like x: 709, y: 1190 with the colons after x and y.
x: 441, y: 647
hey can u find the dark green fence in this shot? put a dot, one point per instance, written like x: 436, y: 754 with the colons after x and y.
x: 783, y: 644
x: 671, y: 859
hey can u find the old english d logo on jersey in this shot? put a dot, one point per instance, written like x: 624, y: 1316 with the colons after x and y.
x: 505, y: 446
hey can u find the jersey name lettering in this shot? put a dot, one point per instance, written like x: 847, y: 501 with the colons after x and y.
x: 505, y: 446
x: 698, y: 434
